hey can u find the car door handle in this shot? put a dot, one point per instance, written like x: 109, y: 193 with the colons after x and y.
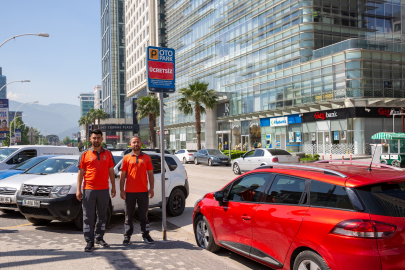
x: 166, y: 178
x: 244, y: 217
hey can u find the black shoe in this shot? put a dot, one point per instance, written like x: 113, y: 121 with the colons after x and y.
x: 89, y: 247
x: 102, y: 243
x: 148, y: 239
x: 126, y: 242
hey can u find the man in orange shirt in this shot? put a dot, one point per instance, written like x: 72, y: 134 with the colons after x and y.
x: 96, y: 165
x: 136, y: 169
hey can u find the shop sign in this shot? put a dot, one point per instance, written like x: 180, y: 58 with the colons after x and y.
x: 388, y: 112
x: 279, y: 121
x: 324, y: 115
x: 112, y: 137
x: 113, y: 127
x: 167, y: 132
x: 223, y: 109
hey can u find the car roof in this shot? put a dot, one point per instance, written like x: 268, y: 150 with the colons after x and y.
x: 40, y: 146
x: 356, y: 175
x: 66, y: 157
x: 116, y: 153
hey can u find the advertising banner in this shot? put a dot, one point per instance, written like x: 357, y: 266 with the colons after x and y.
x: 4, y: 127
x: 18, y: 135
x: 279, y: 121
x: 291, y: 136
x: 298, y: 136
x: 111, y: 137
x: 74, y: 136
x: 336, y: 135
x: 161, y: 69
x: 12, y: 140
x: 268, y: 140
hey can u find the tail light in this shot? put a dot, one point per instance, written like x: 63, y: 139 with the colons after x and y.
x: 275, y: 159
x: 191, y: 154
x: 364, y: 229
x: 299, y: 159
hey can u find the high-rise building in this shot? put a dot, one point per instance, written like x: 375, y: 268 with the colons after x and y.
x: 316, y: 76
x: 113, y: 57
x: 86, y: 103
x: 3, y: 81
x: 98, y: 97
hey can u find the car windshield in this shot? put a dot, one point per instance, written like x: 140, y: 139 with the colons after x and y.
x: 29, y: 163
x: 192, y: 151
x: 214, y: 152
x: 278, y: 152
x: 5, y: 152
x: 117, y: 159
x: 50, y: 166
x: 72, y: 169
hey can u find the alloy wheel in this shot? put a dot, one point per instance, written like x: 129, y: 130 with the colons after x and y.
x: 203, y: 236
x: 308, y: 265
x: 184, y: 160
x: 177, y: 202
x: 195, y: 161
x: 209, y: 162
x: 235, y: 169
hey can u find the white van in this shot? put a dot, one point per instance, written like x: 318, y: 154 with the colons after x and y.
x: 15, y: 154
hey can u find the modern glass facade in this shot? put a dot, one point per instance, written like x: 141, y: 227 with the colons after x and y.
x: 3, y: 81
x: 279, y: 57
x: 86, y: 103
x: 113, y: 57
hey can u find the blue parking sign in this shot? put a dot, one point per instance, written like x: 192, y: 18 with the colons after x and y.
x: 161, y: 69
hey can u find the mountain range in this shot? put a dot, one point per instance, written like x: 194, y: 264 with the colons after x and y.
x: 57, y: 118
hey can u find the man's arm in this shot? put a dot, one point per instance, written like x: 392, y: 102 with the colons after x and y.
x: 80, y: 175
x: 112, y: 179
x: 151, y: 177
x: 122, y: 185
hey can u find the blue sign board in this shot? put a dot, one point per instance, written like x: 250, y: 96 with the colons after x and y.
x: 161, y: 70
x: 336, y: 135
x: 4, y: 125
x: 292, y: 119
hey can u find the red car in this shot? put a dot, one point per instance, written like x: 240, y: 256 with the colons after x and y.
x: 323, y: 216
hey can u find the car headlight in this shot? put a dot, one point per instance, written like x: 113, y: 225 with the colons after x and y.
x: 60, y: 191
x: 216, y: 158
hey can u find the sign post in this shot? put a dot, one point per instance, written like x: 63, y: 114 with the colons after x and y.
x: 4, y: 124
x: 161, y: 79
x: 31, y: 135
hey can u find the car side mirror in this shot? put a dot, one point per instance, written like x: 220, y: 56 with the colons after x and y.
x: 219, y: 196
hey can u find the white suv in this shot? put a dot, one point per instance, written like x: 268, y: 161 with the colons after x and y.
x: 53, y: 197
x: 186, y: 155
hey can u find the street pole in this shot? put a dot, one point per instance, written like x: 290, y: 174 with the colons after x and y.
x: 17, y: 112
x: 40, y: 35
x: 162, y: 150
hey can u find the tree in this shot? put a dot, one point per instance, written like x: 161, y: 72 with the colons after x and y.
x: 100, y: 115
x: 148, y: 106
x: 66, y: 140
x: 197, y: 95
x: 86, y: 120
x: 19, y: 124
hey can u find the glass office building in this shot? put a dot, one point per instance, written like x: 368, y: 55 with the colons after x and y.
x: 273, y: 61
x: 86, y: 103
x: 3, y: 82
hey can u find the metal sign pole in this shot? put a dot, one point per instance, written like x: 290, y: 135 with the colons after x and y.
x: 162, y: 150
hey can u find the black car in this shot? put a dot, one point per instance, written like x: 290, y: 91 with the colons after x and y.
x: 211, y: 157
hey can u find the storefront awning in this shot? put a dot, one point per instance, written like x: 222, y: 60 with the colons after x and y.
x: 388, y: 136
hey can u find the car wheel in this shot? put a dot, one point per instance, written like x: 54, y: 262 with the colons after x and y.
x: 383, y: 161
x: 396, y: 163
x: 209, y: 162
x: 38, y: 221
x: 310, y: 260
x: 79, y: 218
x: 196, y: 161
x: 176, y: 204
x: 236, y: 169
x: 6, y: 211
x: 184, y: 160
x: 204, y: 236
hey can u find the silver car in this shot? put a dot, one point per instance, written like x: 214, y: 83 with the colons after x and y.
x: 262, y: 156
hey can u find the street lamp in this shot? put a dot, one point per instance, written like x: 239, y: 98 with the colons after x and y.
x: 14, y: 82
x: 17, y: 112
x: 40, y: 35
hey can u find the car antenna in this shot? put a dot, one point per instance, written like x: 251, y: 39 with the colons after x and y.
x: 371, y: 162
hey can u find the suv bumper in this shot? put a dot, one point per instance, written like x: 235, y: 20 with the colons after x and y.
x: 63, y: 209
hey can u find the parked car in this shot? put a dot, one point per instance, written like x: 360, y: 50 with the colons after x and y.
x: 186, y: 155
x: 148, y: 150
x: 117, y: 156
x: 262, y: 156
x: 16, y: 154
x: 53, y: 197
x: 10, y: 186
x: 211, y: 157
x: 323, y: 216
x: 22, y: 167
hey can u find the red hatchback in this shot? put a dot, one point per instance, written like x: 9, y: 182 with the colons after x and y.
x: 323, y: 216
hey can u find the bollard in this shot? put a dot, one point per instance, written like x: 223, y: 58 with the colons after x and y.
x: 342, y: 159
x: 350, y: 158
x: 330, y: 157
x: 323, y: 157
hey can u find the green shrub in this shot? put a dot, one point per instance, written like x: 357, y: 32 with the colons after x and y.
x: 234, y: 153
x: 316, y: 157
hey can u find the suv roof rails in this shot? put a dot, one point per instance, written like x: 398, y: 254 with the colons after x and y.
x: 325, y: 171
x: 359, y: 162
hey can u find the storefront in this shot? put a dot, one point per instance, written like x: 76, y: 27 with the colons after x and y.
x: 223, y: 135
x: 245, y: 134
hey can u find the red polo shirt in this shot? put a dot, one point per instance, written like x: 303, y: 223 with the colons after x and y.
x: 137, y: 177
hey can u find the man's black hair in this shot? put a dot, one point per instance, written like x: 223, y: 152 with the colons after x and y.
x: 96, y: 132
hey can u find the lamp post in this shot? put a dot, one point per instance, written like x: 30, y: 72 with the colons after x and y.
x: 17, y: 112
x: 14, y: 82
x: 40, y: 35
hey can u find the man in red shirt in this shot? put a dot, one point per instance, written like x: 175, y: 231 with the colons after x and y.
x: 136, y: 169
x: 96, y: 165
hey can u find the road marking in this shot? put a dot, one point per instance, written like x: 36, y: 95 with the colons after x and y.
x: 5, y: 228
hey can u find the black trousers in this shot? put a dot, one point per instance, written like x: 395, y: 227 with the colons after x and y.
x: 142, y: 199
x: 94, y: 200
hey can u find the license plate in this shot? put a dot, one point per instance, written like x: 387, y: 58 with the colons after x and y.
x: 5, y: 200
x: 31, y: 203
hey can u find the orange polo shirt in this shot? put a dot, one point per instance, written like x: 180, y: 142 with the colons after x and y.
x: 137, y: 177
x: 96, y: 168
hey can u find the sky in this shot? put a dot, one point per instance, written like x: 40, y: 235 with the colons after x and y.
x: 59, y: 67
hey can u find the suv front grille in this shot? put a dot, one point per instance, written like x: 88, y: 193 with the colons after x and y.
x: 35, y: 211
x: 40, y: 191
x: 7, y: 192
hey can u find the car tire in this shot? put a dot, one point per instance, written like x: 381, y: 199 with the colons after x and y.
x: 196, y: 161
x: 383, y: 161
x: 210, y: 162
x: 396, y: 163
x: 184, y: 161
x: 79, y: 218
x: 310, y: 260
x: 236, y: 169
x: 204, y: 236
x: 38, y: 221
x: 176, y: 203
x: 6, y: 211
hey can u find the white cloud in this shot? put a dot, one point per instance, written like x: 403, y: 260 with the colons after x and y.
x: 13, y: 96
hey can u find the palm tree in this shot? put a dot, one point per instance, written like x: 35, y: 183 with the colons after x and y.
x: 92, y: 115
x: 86, y: 120
x: 197, y: 95
x: 148, y: 106
x: 100, y: 115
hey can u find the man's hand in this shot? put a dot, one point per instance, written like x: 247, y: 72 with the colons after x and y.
x: 151, y: 193
x: 123, y: 195
x: 113, y: 192
x: 79, y: 195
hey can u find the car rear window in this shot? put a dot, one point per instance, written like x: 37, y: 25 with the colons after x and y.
x: 192, y: 151
x: 278, y: 152
x: 171, y: 163
x: 328, y: 195
x: 386, y: 199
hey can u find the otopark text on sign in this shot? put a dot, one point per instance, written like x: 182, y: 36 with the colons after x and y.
x: 161, y: 69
